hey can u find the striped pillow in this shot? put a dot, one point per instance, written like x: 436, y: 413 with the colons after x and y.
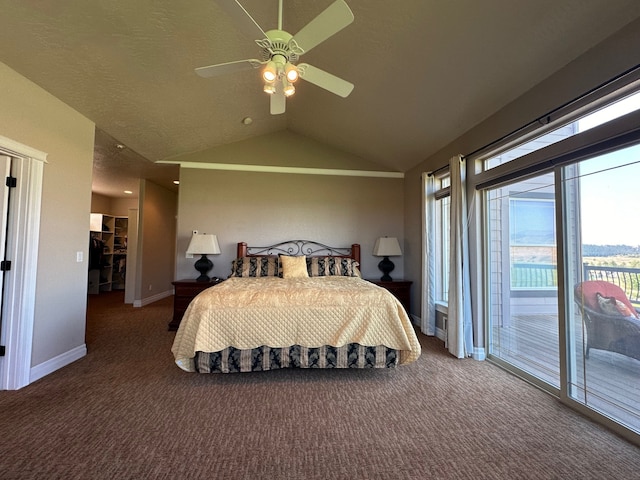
x: 255, y: 267
x: 332, y: 266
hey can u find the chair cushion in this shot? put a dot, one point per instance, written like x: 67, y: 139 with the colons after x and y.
x: 588, y: 292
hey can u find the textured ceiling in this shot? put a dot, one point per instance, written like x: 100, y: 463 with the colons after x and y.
x: 425, y: 71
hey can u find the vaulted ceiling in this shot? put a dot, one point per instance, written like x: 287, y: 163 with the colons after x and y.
x: 425, y: 71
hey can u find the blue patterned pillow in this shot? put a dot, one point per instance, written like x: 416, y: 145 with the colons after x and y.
x: 332, y: 266
x: 255, y: 267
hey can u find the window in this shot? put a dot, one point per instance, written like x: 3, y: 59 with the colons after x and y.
x: 532, y: 240
x: 443, y: 205
x: 609, y: 112
x: 532, y: 222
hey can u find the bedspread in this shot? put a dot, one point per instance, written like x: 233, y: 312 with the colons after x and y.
x: 247, y: 313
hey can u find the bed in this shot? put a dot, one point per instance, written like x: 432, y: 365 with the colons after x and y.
x: 296, y: 304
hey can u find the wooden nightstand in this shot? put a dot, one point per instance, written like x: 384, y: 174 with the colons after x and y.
x: 401, y: 289
x: 185, y: 291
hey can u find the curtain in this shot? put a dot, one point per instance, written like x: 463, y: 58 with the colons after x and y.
x: 459, y: 327
x: 428, y: 313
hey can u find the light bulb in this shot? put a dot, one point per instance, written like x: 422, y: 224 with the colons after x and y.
x: 289, y: 90
x: 292, y: 72
x: 269, y: 88
x: 270, y: 73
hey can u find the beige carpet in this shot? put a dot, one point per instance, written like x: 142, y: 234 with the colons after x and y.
x: 126, y: 411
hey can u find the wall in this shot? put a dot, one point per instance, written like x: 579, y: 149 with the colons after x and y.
x: 612, y: 57
x: 156, y: 243
x: 100, y: 204
x: 33, y: 117
x: 267, y: 208
x: 112, y: 206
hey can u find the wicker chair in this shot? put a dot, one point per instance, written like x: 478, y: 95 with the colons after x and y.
x: 612, y: 332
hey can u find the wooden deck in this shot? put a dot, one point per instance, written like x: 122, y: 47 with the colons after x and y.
x: 607, y: 382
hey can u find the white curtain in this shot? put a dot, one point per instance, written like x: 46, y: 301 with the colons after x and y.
x: 459, y: 327
x: 428, y: 313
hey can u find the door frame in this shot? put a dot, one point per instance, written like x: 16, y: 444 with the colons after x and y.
x: 22, y: 249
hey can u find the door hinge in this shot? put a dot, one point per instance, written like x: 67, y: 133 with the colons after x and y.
x: 5, y: 265
x: 12, y: 182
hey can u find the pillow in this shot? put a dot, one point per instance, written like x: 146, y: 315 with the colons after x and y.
x: 293, y: 267
x: 613, y: 306
x: 255, y: 267
x: 332, y: 266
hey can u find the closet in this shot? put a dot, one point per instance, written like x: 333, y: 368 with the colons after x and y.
x: 107, y: 253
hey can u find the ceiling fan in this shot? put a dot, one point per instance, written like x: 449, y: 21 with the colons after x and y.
x: 281, y: 51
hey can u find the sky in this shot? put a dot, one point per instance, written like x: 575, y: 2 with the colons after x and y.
x: 610, y: 186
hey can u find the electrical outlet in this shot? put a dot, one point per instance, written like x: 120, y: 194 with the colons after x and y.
x: 79, y: 257
x: 150, y: 287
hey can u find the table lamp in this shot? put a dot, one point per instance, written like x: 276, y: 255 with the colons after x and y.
x: 386, y: 247
x: 203, y: 244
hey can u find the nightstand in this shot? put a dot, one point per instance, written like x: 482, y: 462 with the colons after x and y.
x: 401, y: 289
x: 185, y: 291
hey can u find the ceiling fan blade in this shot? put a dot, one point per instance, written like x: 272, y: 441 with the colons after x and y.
x: 325, y: 80
x: 229, y: 67
x: 278, y: 102
x: 333, y: 19
x: 245, y: 22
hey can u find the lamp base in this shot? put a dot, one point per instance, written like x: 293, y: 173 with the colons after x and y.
x: 204, y: 266
x: 386, y: 266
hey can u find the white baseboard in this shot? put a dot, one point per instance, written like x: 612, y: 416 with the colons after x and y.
x: 479, y: 353
x: 153, y: 298
x: 56, y: 363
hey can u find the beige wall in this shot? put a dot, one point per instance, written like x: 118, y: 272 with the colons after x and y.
x: 156, y: 241
x: 33, y: 117
x: 285, y: 149
x: 112, y: 206
x: 266, y: 208
x: 607, y: 60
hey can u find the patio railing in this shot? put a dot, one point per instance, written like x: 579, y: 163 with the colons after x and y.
x: 540, y: 276
x: 534, y: 276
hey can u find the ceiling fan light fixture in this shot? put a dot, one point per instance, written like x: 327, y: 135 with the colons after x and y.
x: 289, y: 89
x: 280, y: 52
x: 270, y: 72
x: 291, y: 71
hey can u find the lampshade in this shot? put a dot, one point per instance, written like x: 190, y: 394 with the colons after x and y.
x: 203, y: 244
x: 387, y: 247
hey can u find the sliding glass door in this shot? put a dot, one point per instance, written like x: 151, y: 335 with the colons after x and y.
x: 603, y: 287
x: 589, y: 220
x: 523, y: 282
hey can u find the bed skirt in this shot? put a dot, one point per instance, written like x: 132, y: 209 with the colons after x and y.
x: 353, y: 355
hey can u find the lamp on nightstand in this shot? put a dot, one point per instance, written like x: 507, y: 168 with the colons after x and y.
x: 203, y: 244
x: 386, y: 247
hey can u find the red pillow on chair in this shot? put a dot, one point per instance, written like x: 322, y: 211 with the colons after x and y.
x: 614, y: 298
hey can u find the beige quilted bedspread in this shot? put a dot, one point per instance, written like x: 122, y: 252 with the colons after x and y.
x: 279, y: 312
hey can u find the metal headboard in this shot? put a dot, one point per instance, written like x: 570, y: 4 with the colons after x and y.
x: 301, y: 247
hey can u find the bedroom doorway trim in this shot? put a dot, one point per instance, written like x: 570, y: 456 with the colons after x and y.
x: 27, y: 166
